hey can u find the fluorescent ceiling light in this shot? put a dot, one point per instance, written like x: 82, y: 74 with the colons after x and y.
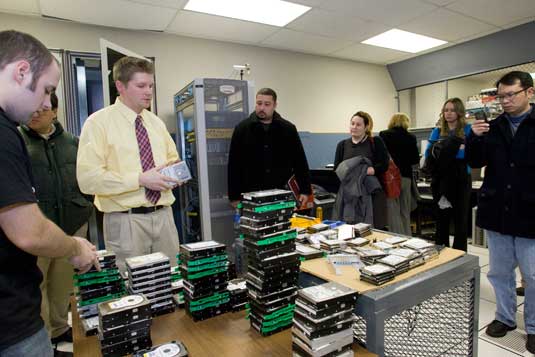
x: 270, y: 12
x: 403, y: 41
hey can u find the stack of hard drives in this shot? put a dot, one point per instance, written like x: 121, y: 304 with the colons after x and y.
x: 415, y: 258
x: 400, y: 264
x: 94, y: 287
x: 170, y: 349
x: 151, y: 275
x: 238, y: 294
x: 377, y: 274
x: 204, y: 267
x: 362, y: 229
x: 124, y: 325
x: 273, y: 264
x: 429, y: 251
x: 370, y: 256
x: 177, y: 285
x: 357, y: 242
x: 323, y: 321
x: 306, y: 252
x: 332, y: 246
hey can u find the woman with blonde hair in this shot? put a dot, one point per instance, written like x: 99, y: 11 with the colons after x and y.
x: 404, y: 151
x: 451, y: 183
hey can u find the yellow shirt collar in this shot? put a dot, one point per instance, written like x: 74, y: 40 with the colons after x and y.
x: 126, y: 112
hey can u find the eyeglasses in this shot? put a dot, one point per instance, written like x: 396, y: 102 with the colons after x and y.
x: 509, y: 96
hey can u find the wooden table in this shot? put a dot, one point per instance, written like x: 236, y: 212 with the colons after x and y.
x: 225, y: 335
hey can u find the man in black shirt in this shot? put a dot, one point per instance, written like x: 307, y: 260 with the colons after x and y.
x: 265, y: 151
x: 28, y: 75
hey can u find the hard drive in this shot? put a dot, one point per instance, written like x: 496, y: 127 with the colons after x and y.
x: 267, y: 196
x: 129, y: 335
x: 312, y: 333
x: 123, y: 311
x: 197, y: 250
x: 125, y: 329
x: 328, y: 295
x: 127, y: 347
x: 170, y: 349
x: 261, y: 232
x: 258, y: 223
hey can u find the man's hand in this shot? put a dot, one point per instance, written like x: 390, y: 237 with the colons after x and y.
x: 302, y: 199
x: 154, y: 180
x: 234, y: 204
x: 87, y: 258
x: 370, y: 171
x: 480, y: 127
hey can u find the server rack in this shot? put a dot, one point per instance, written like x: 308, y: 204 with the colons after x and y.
x: 207, y: 110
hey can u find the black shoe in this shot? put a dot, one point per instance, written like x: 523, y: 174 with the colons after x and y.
x: 520, y: 291
x: 64, y: 337
x: 530, y: 344
x: 498, y: 329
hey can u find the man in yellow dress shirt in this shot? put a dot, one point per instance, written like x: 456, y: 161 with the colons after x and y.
x: 122, y: 149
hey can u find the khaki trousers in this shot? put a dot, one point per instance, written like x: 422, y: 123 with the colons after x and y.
x: 56, y: 290
x: 131, y: 235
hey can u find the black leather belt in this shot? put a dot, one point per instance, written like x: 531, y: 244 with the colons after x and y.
x: 143, y: 210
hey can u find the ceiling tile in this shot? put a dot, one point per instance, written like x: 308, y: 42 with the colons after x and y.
x: 114, y: 13
x: 302, y: 42
x: 311, y: 3
x: 446, y: 25
x: 367, y: 53
x: 440, y: 2
x: 173, y: 4
x: 220, y: 28
x: 518, y: 22
x: 20, y: 6
x: 496, y: 12
x: 336, y: 25
x: 389, y: 12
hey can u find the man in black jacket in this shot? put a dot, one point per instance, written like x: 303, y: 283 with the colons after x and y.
x: 506, y: 204
x: 265, y: 151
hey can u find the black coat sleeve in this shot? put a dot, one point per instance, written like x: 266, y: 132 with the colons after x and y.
x: 380, y: 156
x: 300, y: 164
x: 339, y: 154
x: 475, y: 151
x: 234, y: 166
x: 414, y: 153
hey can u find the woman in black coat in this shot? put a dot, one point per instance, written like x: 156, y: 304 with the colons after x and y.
x: 403, y: 149
x: 363, y: 143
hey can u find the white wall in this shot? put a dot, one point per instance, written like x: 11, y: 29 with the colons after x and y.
x: 463, y: 88
x: 316, y: 93
x: 429, y: 101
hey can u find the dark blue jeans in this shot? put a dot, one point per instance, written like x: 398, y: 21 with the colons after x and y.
x: 37, y: 345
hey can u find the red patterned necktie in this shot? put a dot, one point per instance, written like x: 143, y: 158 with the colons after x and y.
x: 145, y: 153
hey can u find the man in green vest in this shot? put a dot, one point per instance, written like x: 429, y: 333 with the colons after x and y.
x: 53, y: 154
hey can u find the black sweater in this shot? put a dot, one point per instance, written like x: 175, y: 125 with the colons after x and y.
x: 373, y: 149
x: 403, y: 148
x: 261, y: 158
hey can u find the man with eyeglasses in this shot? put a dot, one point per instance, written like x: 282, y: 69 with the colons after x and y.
x: 506, y: 202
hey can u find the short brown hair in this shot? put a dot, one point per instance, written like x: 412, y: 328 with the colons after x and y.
x: 368, y: 121
x: 401, y: 120
x: 17, y: 46
x: 126, y: 67
x: 458, y: 105
x: 267, y: 91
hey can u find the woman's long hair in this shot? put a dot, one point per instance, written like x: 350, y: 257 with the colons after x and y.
x: 461, y: 119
